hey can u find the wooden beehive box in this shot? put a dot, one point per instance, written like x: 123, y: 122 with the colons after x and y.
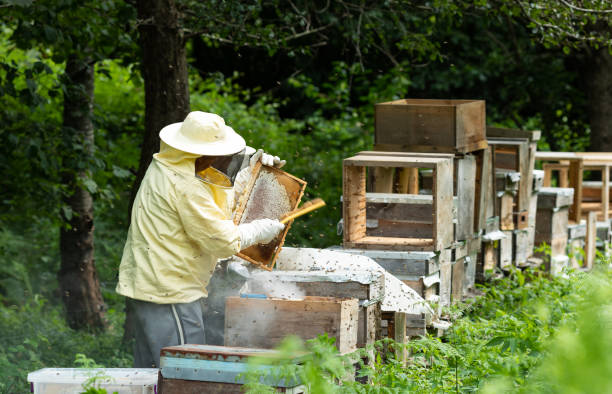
x: 420, y: 125
x: 263, y: 323
x: 552, y: 218
x: 432, y: 232
x: 407, y: 181
x: 195, y: 368
x: 271, y: 193
x: 314, y: 283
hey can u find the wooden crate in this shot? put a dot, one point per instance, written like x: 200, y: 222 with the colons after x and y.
x: 515, y: 155
x: 407, y: 182
x: 191, y: 369
x: 354, y: 205
x: 271, y: 193
x: 552, y: 218
x: 420, y: 125
x: 307, y: 283
x: 263, y: 323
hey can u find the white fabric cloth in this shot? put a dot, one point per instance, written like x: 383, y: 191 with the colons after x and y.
x: 398, y: 297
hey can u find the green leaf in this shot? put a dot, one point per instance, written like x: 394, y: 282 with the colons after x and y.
x: 90, y: 185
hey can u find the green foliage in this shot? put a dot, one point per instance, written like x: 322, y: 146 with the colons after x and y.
x: 313, y: 147
x: 35, y: 335
x: 527, y: 333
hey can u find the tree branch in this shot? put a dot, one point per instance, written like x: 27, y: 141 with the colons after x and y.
x: 587, y: 10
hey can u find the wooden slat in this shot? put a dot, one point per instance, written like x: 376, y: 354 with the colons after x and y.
x: 383, y: 179
x: 590, y: 240
x: 575, y: 182
x: 605, y: 192
x: 443, y: 205
x: 393, y: 161
x: 354, y: 203
x: 466, y: 178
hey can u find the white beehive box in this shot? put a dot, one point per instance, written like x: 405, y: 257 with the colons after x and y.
x: 71, y: 380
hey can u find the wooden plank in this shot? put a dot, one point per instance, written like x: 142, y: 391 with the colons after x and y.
x: 393, y: 161
x: 575, y: 182
x: 354, y: 203
x: 271, y: 193
x: 576, y: 246
x: 391, y: 243
x: 445, y: 277
x: 505, y: 251
x: 506, y: 217
x: 526, y: 177
x: 501, y: 132
x: 458, y: 274
x: 443, y: 205
x: 466, y: 178
x: 400, y: 337
x: 413, y: 180
x: 482, y: 190
x: 368, y: 330
x: 383, y: 179
x: 396, y: 198
x: 555, y: 197
x: 590, y: 240
x: 605, y: 192
x: 490, y: 256
x: 181, y: 386
x: 251, y: 322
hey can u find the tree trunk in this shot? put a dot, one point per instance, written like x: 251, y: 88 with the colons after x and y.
x: 77, y: 276
x: 599, y: 85
x: 164, y: 69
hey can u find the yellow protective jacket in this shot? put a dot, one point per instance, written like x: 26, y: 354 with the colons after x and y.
x: 181, y: 225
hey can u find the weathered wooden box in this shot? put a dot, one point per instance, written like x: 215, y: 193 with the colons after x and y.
x: 271, y: 193
x: 369, y: 290
x: 404, y: 187
x: 552, y: 218
x: 263, y: 323
x: 422, y: 125
x: 433, y: 232
x: 191, y: 369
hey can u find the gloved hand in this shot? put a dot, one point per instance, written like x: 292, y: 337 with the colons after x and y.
x: 266, y: 159
x: 259, y: 231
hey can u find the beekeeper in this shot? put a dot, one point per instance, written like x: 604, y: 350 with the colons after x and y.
x: 181, y: 225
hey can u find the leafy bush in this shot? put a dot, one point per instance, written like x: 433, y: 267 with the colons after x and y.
x: 527, y: 333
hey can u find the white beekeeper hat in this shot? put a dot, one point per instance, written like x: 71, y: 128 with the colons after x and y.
x: 203, y: 133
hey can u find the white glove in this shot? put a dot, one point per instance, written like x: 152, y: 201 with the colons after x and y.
x: 259, y: 231
x: 242, y: 179
x: 266, y: 159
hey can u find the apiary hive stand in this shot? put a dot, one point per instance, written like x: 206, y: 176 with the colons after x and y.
x: 271, y: 193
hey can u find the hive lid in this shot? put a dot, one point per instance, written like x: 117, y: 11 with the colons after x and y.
x: 115, y: 376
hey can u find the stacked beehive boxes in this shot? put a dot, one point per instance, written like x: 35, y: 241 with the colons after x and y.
x: 415, y: 206
x: 552, y: 224
x: 513, y: 157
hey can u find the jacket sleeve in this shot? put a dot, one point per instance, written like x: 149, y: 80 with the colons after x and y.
x: 205, y: 223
